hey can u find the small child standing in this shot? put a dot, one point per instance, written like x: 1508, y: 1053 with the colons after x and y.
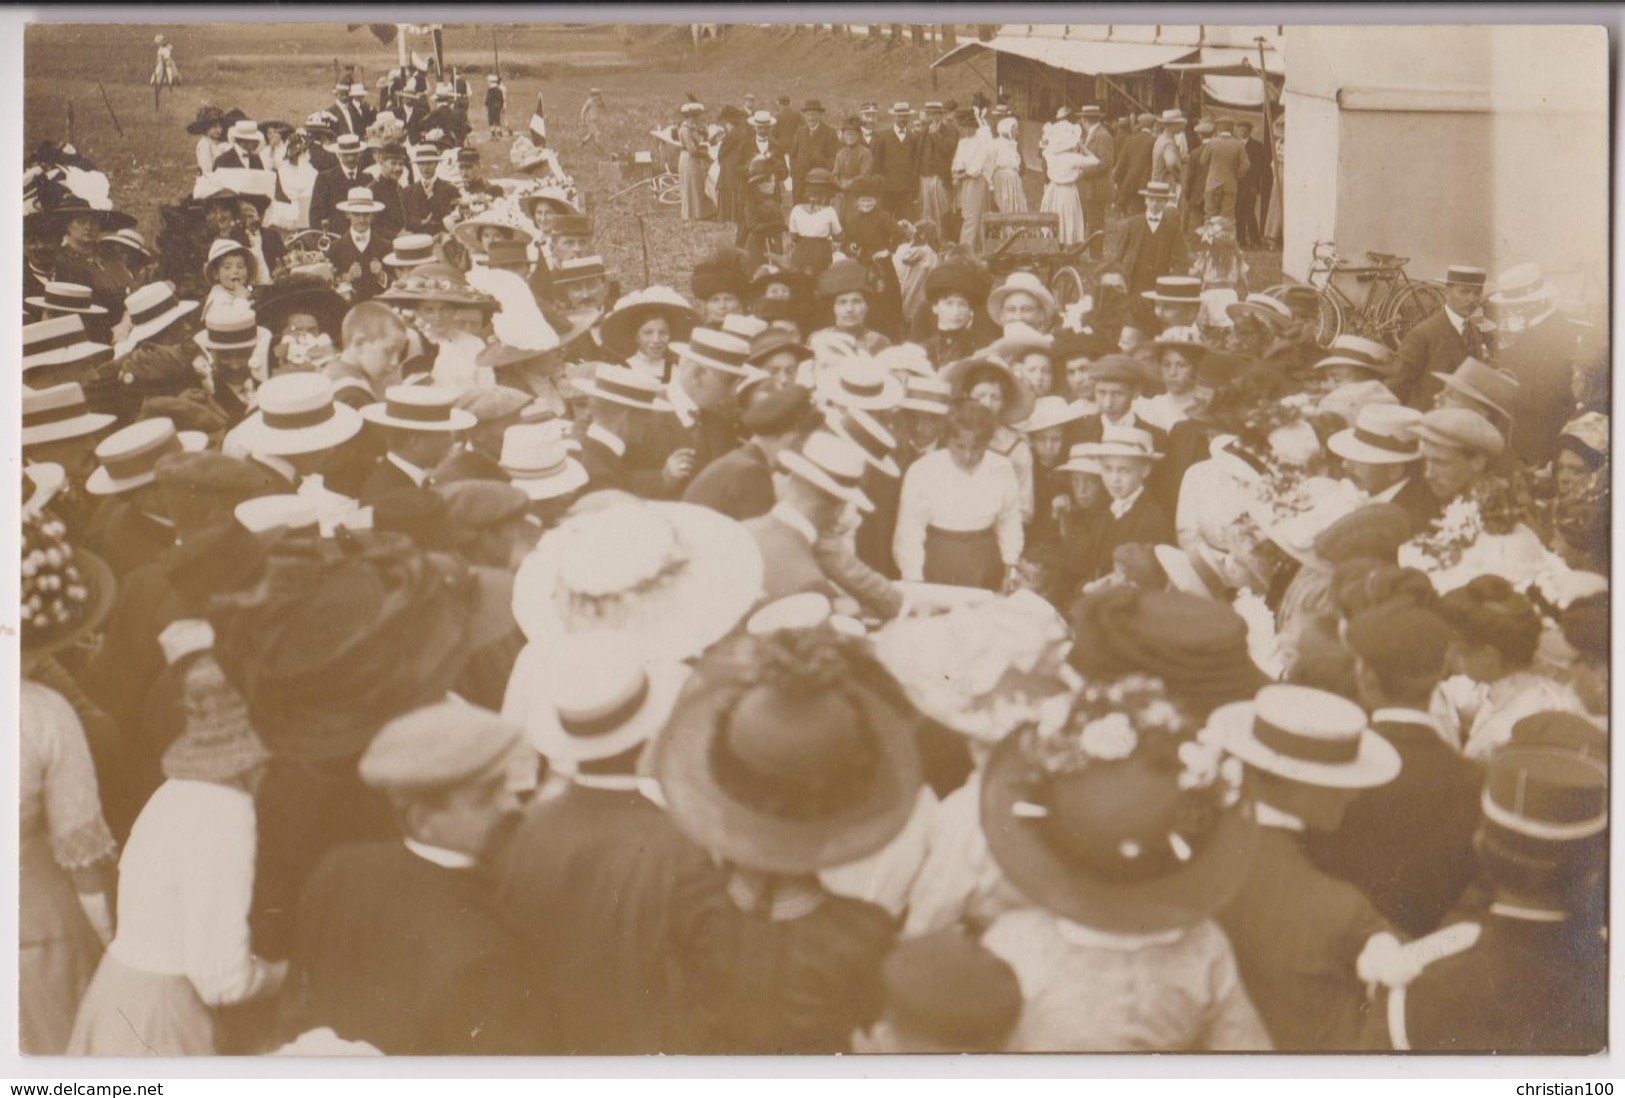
x: 496, y: 101
x: 1223, y: 271
x: 232, y: 269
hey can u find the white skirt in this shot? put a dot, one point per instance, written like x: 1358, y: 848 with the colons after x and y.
x: 1062, y: 198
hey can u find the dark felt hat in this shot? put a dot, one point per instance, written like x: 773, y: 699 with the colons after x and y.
x: 779, y: 411
x: 1400, y: 640
x: 1376, y: 530
x: 949, y: 989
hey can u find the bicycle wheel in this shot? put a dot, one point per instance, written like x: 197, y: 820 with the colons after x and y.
x: 1068, y: 286
x: 1406, y: 308
x: 669, y: 190
x: 1329, y: 325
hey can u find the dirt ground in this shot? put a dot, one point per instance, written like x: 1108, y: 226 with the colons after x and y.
x: 285, y: 71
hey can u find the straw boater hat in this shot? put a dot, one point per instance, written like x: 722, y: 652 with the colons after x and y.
x: 1053, y: 411
x: 297, y: 415
x: 1462, y: 429
x: 603, y: 700
x: 410, y: 250
x: 930, y: 395
x: 58, y: 342
x: 1122, y: 442
x: 619, y: 329
x: 624, y: 385
x: 538, y: 462
x: 439, y: 746
x: 234, y: 327
x: 1173, y: 116
x: 1182, y: 338
x: 1157, y: 190
x: 858, y: 381
x: 1121, y: 820
x: 66, y: 297
x: 790, y: 753
x: 359, y: 200
x: 1021, y: 282
x: 127, y: 238
x: 966, y: 373
x: 866, y: 433
x: 718, y: 350
x: 59, y: 412
x: 66, y: 592
x: 151, y: 309
x: 1522, y: 285
x: 1357, y: 351
x: 1079, y: 460
x: 245, y: 132
x: 1459, y: 274
x: 128, y: 459
x: 1306, y: 736
x: 419, y: 408
x: 586, y: 268
x: 831, y: 463
x: 1176, y: 289
x: 1383, y: 434
x: 349, y: 144
x: 676, y: 576
x: 1261, y: 307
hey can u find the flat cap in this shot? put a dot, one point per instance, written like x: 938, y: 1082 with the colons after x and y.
x: 1376, y: 530
x: 421, y: 515
x: 437, y: 747
x: 493, y: 402
x: 1118, y: 368
x: 1461, y: 428
x: 213, y: 473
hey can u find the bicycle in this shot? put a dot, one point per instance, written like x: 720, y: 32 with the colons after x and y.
x: 667, y: 187
x: 1393, y: 303
x: 1031, y: 242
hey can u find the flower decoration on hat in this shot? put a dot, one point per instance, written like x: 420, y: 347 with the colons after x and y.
x: 53, y: 591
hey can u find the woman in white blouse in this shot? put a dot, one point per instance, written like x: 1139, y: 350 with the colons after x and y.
x: 959, y: 519
x: 992, y: 384
x: 185, y: 883
x: 1008, y: 194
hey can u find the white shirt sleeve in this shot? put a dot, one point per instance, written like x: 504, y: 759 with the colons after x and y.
x: 1021, y: 459
x: 217, y: 886
x: 1009, y: 521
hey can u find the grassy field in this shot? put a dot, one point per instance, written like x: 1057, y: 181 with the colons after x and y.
x: 285, y: 71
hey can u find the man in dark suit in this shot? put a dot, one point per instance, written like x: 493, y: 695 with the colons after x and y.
x: 812, y: 146
x: 1253, y: 189
x: 1133, y: 169
x: 1151, y: 246
x: 1407, y: 845
x: 390, y: 189
x: 702, y: 420
x: 358, y: 256
x: 401, y: 944
x: 897, y: 163
x: 1540, y: 355
x: 1297, y: 932
x: 334, y: 185
x: 1095, y: 188
x: 426, y: 202
x: 1522, y: 975
x: 590, y: 873
x: 623, y: 404
x: 419, y: 425
x: 344, y: 110
x: 1441, y: 342
x: 788, y: 120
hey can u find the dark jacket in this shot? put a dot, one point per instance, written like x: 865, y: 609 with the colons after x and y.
x: 1095, y: 184
x: 710, y: 436
x: 343, y: 254
x: 125, y: 537
x: 897, y: 162
x: 1297, y: 933
x: 413, y: 958
x: 1539, y: 358
x: 1408, y: 845
x: 425, y: 212
x: 607, y: 469
x: 386, y: 477
x: 1419, y: 502
x: 392, y: 194
x: 589, y: 876
x: 1133, y: 169
x: 1143, y: 256
x: 331, y: 188
x: 811, y: 149
x: 1432, y: 347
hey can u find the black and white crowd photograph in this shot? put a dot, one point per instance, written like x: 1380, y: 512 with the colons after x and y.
x: 813, y: 539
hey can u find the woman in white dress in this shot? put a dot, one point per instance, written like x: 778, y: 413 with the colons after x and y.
x: 1008, y: 193
x: 1064, y: 163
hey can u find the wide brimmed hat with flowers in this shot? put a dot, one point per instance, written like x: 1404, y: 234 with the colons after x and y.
x: 619, y: 329
x: 790, y: 753
x: 677, y: 576
x: 1120, y: 819
x: 66, y: 592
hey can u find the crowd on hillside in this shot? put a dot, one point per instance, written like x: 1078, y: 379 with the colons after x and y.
x: 432, y: 646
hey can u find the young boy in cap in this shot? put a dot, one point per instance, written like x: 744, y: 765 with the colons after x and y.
x: 1126, y: 456
x: 401, y: 944
x: 1459, y: 449
x: 426, y: 203
x: 740, y: 483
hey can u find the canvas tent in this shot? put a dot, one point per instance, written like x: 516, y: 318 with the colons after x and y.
x: 1463, y: 144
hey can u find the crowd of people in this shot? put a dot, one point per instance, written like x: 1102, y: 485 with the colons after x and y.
x: 431, y: 648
